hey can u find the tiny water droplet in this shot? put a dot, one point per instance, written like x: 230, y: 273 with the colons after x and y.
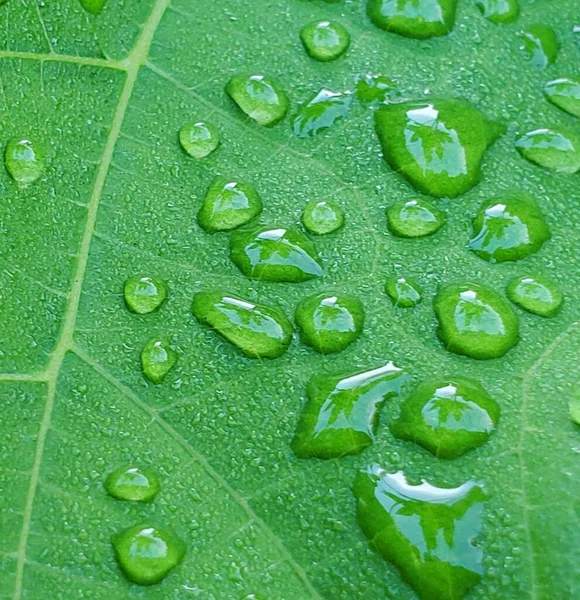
x: 94, y: 7
x: 414, y: 218
x: 144, y: 294
x: 157, y: 359
x: 199, y: 139
x: 325, y: 40
x: 322, y: 217
x: 536, y: 294
x: 499, y: 11
x: 554, y: 149
x: 565, y: 94
x: 403, y: 291
x: 540, y: 45
x: 376, y: 89
x: 133, y: 483
x: 24, y: 160
x: 321, y: 112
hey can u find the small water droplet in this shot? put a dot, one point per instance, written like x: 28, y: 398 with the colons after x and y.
x: 376, y: 89
x: 499, y: 11
x: 325, y: 40
x: 403, y: 291
x: 322, y: 217
x: 199, y: 139
x: 414, y: 218
x: 554, y: 149
x: 133, y: 483
x: 321, y: 112
x: 540, y: 45
x: 536, y: 294
x: 565, y: 94
x: 157, y: 359
x: 94, y: 7
x: 24, y: 160
x: 144, y: 294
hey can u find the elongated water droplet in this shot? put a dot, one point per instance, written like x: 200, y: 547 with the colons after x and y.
x: 403, y: 291
x: 322, y: 217
x: 475, y: 321
x: 94, y: 7
x: 258, y: 331
x: 574, y: 409
x: 508, y: 228
x: 133, y: 483
x: 540, y: 45
x: 414, y: 218
x: 447, y: 416
x: 428, y: 532
x: 536, y: 294
x: 554, y: 149
x: 259, y: 96
x: 199, y: 139
x: 376, y: 89
x: 325, y: 40
x: 437, y: 145
x: 330, y: 323
x: 275, y: 254
x: 565, y: 94
x: 499, y: 11
x: 24, y: 160
x: 146, y: 554
x: 341, y: 415
x: 157, y: 359
x: 144, y: 294
x: 229, y: 204
x: 321, y: 112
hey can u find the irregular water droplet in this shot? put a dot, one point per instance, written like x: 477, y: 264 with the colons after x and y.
x: 157, y: 359
x: 24, y: 160
x: 376, y: 89
x: 322, y: 217
x: 144, y: 294
x: 321, y: 112
x: 540, y: 45
x: 536, y: 294
x: 499, y: 11
x: 199, y: 139
x: 259, y: 331
x: 428, y: 532
x: 259, y: 96
x: 475, y: 321
x: 554, y: 149
x: 275, y: 254
x: 414, y: 218
x: 447, y: 416
x: 565, y: 94
x: 437, y: 145
x: 403, y: 291
x: 146, y: 554
x: 94, y: 7
x: 325, y: 40
x: 133, y: 483
x: 419, y: 19
x: 341, y: 414
x: 508, y: 228
x: 228, y: 204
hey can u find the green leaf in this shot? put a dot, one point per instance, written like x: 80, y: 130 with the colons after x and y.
x: 106, y: 95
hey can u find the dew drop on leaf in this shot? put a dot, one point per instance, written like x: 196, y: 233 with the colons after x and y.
x: 199, y: 139
x: 132, y: 483
x: 404, y: 292
x: 24, y: 160
x: 322, y: 217
x: 94, y: 7
x: 535, y: 294
x: 144, y: 294
x: 376, y: 89
x: 321, y: 112
x: 554, y: 149
x: 157, y: 359
x: 414, y: 218
x: 574, y: 409
x: 325, y: 40
x: 499, y: 11
x: 564, y: 93
x: 540, y: 45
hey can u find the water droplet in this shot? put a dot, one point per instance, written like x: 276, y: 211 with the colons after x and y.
x: 24, y: 160
x: 414, y: 218
x: 419, y: 19
x: 199, y: 139
x: 447, y: 416
x: 325, y: 40
x: 554, y: 149
x: 157, y: 359
x: 259, y: 96
x: 428, y: 532
x: 437, y: 145
x: 229, y: 204
x: 536, y: 294
x: 341, y: 414
x: 565, y: 94
x: 94, y: 7
x: 322, y: 217
x: 275, y: 254
x: 508, y: 228
x: 257, y: 330
x: 376, y: 89
x: 146, y: 554
x: 574, y: 409
x: 475, y: 321
x: 403, y: 291
x: 321, y: 112
x: 133, y: 483
x: 144, y: 294
x: 540, y: 45
x: 499, y: 11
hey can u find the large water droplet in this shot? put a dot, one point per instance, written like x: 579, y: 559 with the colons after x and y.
x: 536, y: 294
x: 554, y: 149
x: 540, y: 45
x: 133, y: 483
x: 325, y: 40
x: 403, y: 291
x: 275, y: 254
x: 565, y: 94
x: 322, y: 217
x: 414, y: 218
x: 508, y: 228
x: 499, y: 11
x: 157, y: 359
x: 94, y: 7
x: 428, y: 532
x: 144, y: 294
x: 199, y: 139
x: 437, y: 145
x: 574, y: 409
x: 341, y: 415
x: 24, y: 160
x: 376, y: 89
x: 321, y: 112
x: 257, y: 330
x: 475, y: 321
x: 146, y: 554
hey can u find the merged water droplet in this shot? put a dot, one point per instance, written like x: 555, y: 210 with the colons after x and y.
x: 437, y: 145
x: 341, y: 415
x: 24, y: 160
x: 475, y: 321
x: 275, y: 254
x: 257, y: 330
x: 146, y: 554
x: 376, y: 89
x: 133, y: 483
x: 554, y: 149
x: 508, y: 228
x: 325, y: 40
x: 157, y: 359
x: 229, y: 204
x: 259, y: 96
x: 564, y: 92
x: 94, y: 7
x: 321, y: 112
x: 536, y: 294
x: 414, y: 218
x: 322, y: 217
x: 540, y: 45
x: 447, y: 416
x: 428, y: 532
x: 499, y: 11
x: 144, y: 294
x: 403, y: 291
x: 199, y: 139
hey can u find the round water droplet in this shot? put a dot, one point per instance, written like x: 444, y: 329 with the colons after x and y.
x: 508, y: 228
x: 157, y: 359
x: 554, y: 149
x: 199, y: 139
x: 24, y: 160
x: 146, y: 554
x: 144, y: 294
x: 229, y: 204
x: 325, y: 40
x: 499, y: 11
x: 321, y: 112
x: 540, y: 45
x: 376, y: 89
x: 475, y: 321
x: 403, y: 291
x: 133, y: 483
x: 94, y: 7
x: 447, y: 416
x: 414, y: 218
x: 536, y: 294
x: 565, y: 94
x: 259, y: 96
x: 322, y: 217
